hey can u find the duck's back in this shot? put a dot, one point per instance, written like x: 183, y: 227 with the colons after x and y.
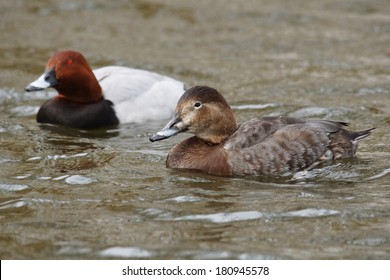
x: 139, y: 95
x: 277, y: 145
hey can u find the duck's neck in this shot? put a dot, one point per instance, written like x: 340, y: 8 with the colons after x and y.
x: 220, y: 130
x: 81, y: 89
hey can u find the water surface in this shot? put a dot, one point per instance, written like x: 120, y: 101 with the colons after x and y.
x: 66, y: 193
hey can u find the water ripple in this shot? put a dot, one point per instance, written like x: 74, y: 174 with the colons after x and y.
x: 71, y: 249
x: 12, y: 187
x: 253, y: 106
x: 56, y: 157
x: 125, y: 252
x: 327, y: 113
x: 56, y: 178
x: 25, y: 111
x: 6, y: 160
x: 183, y: 198
x: 224, y: 217
x: 79, y: 180
x: 253, y: 215
x: 380, y: 175
x: 311, y: 212
x: 371, y: 241
x: 17, y: 203
x: 213, y: 255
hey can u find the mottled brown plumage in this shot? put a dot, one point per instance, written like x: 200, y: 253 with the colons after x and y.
x: 260, y: 146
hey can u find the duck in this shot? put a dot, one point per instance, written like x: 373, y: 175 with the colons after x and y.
x: 107, y: 96
x: 265, y: 146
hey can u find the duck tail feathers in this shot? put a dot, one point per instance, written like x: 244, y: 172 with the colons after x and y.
x: 359, y: 135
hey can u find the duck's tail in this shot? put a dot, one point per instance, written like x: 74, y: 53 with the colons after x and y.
x: 356, y: 136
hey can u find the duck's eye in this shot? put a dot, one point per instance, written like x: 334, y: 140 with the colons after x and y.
x: 198, y: 104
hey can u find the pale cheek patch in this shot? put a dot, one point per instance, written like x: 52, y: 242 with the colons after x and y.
x: 180, y: 125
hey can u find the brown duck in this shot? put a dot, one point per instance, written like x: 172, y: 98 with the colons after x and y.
x: 260, y: 146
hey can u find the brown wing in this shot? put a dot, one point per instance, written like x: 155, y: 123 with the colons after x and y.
x: 276, y: 144
x: 257, y: 130
x: 290, y: 148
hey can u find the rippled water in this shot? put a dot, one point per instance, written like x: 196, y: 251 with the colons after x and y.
x: 66, y: 193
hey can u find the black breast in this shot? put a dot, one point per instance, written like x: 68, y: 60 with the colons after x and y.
x: 84, y: 116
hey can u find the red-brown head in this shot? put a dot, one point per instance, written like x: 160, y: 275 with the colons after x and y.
x: 69, y: 73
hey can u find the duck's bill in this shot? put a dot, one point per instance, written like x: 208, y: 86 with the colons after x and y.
x: 164, y: 134
x: 39, y: 84
x: 171, y: 129
x: 46, y: 80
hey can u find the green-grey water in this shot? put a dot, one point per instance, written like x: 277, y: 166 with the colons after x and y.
x: 70, y: 194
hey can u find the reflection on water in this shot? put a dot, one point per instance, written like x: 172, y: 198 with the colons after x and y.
x: 68, y: 193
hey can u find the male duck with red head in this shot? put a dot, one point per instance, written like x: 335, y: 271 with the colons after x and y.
x: 260, y: 146
x: 104, y: 97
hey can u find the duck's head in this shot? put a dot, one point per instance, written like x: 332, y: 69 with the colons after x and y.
x: 203, y: 112
x: 70, y: 74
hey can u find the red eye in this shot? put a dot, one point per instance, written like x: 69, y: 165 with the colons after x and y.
x: 69, y: 62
